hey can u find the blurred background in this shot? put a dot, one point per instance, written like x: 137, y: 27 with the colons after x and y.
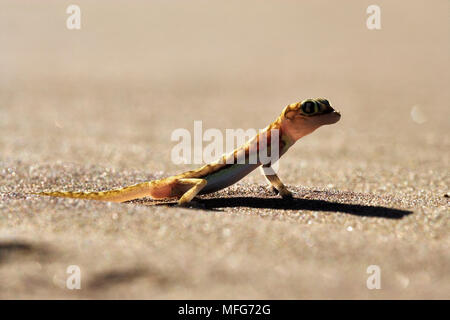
x: 84, y: 105
x: 135, y: 72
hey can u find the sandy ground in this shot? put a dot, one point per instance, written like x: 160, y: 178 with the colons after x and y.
x: 95, y: 109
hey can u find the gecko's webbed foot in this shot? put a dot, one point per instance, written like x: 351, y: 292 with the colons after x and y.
x: 273, y: 189
x: 285, y: 193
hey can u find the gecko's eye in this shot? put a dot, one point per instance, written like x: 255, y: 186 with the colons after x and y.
x: 309, y: 107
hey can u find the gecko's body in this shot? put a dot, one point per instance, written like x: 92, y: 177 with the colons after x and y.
x: 296, y: 121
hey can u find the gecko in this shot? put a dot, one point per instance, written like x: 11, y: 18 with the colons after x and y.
x: 295, y: 121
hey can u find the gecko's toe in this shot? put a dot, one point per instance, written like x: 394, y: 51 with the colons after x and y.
x: 287, y: 195
x: 184, y: 204
x: 274, y: 190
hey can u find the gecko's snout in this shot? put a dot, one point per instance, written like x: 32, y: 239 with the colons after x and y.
x: 326, y: 113
x: 332, y: 110
x: 331, y: 117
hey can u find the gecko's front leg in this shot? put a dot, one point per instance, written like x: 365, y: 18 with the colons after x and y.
x: 275, y: 182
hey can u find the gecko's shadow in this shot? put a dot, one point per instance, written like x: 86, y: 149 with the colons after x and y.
x: 301, y: 204
x: 306, y: 204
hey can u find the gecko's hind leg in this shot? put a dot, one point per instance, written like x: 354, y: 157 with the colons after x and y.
x: 197, y: 186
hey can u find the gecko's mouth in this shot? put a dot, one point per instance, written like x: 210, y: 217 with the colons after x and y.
x: 330, y: 116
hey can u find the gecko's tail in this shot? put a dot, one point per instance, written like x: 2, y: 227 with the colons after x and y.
x: 118, y: 195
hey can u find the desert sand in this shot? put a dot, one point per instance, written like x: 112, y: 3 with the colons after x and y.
x: 94, y: 109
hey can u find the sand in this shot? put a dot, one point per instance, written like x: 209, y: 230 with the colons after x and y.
x: 94, y: 109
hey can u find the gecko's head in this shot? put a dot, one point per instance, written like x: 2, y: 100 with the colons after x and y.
x: 301, y: 118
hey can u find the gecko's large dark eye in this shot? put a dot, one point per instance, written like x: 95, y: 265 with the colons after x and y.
x: 308, y: 107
